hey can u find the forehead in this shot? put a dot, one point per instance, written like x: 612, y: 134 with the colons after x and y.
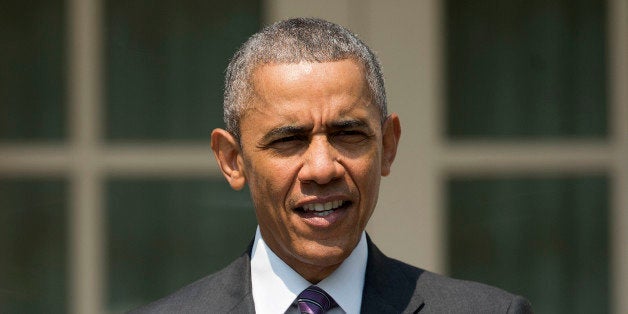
x: 320, y: 85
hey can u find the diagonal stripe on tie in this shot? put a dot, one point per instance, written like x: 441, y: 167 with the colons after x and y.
x: 313, y: 300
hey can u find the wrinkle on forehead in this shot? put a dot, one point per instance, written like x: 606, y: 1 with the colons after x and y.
x: 301, y: 82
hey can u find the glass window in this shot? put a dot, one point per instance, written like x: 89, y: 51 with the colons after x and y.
x: 33, y: 248
x: 165, y: 233
x: 32, y: 70
x: 526, y: 69
x: 544, y: 238
x: 165, y: 63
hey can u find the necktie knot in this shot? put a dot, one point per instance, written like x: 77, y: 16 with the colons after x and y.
x: 314, y: 300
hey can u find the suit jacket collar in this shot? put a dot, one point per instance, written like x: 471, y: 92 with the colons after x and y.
x: 388, y: 287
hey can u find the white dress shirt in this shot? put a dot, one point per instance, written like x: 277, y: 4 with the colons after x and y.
x: 276, y: 285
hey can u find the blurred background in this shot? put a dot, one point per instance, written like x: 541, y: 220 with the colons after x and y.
x: 512, y: 169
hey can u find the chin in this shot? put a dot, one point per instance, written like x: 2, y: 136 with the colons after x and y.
x: 323, y: 255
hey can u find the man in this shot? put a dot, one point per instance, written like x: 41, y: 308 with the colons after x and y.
x: 308, y: 130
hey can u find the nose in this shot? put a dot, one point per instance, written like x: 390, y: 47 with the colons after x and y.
x: 321, y: 164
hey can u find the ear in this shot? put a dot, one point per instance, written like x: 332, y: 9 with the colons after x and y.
x: 229, y: 157
x: 391, y: 132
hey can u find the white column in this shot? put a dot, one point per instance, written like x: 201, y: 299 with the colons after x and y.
x: 618, y: 119
x: 337, y: 11
x: 408, y: 223
x: 86, y: 240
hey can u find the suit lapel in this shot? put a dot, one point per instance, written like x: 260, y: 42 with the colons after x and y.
x: 389, y: 285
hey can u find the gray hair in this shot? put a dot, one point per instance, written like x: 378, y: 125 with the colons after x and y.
x: 293, y: 41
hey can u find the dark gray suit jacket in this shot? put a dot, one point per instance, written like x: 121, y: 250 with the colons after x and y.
x: 390, y: 287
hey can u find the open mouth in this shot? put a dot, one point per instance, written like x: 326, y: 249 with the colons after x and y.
x: 323, y: 209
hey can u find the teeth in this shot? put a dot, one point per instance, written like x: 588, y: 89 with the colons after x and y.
x: 323, y: 214
x: 322, y: 208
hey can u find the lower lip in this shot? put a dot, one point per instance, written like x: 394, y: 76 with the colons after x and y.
x: 313, y: 220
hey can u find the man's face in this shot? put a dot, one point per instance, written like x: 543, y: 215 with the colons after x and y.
x: 313, y: 152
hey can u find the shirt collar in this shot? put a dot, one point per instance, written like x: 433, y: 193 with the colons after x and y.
x: 275, y: 285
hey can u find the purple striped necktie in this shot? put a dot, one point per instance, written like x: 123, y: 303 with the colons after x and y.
x: 314, y: 300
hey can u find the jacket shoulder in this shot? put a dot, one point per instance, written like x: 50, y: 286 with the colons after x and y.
x: 392, y: 286
x: 445, y: 294
x: 226, y: 291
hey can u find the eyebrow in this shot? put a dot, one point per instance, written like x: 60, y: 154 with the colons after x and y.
x: 349, y: 124
x: 284, y: 131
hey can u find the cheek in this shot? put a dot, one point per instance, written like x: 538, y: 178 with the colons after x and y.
x: 271, y: 183
x: 367, y: 169
x: 369, y: 193
x: 367, y: 177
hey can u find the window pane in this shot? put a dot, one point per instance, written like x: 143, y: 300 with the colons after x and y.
x: 32, y: 70
x: 163, y: 234
x: 165, y: 65
x: 526, y: 69
x: 33, y: 246
x: 544, y: 238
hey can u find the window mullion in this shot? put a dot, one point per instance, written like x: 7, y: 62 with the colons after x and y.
x: 618, y: 71
x: 84, y: 82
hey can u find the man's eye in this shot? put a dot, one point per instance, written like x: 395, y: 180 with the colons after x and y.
x: 285, y: 139
x: 351, y: 136
x: 350, y: 133
x: 287, y: 142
